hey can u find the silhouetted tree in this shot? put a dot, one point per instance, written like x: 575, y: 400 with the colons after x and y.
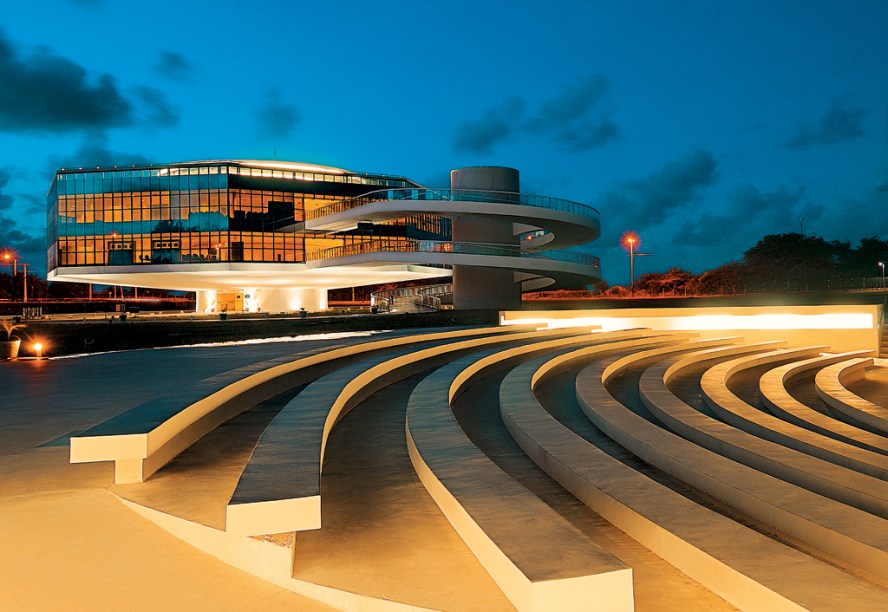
x: 864, y: 260
x: 787, y: 262
x: 674, y: 282
x: 726, y: 279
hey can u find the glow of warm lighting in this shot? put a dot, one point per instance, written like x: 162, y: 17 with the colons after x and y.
x: 37, y: 347
x: 836, y: 320
x: 630, y: 240
x: 277, y: 165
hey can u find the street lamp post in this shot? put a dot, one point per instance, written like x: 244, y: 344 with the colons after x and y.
x: 7, y: 257
x: 882, y: 265
x: 25, y: 280
x: 631, y: 241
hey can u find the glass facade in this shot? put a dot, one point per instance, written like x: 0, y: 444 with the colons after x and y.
x: 208, y: 212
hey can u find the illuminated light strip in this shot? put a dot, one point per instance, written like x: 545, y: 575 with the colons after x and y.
x: 279, y: 165
x: 837, y: 320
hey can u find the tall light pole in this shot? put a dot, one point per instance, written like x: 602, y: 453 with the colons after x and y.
x: 7, y: 257
x: 631, y: 241
x: 882, y: 265
x: 25, y: 279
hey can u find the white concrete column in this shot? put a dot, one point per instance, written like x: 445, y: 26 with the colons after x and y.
x: 204, y: 301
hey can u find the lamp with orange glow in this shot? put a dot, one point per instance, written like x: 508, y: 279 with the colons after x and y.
x: 631, y: 242
x: 10, y: 256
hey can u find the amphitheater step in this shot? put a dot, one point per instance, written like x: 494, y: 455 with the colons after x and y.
x: 883, y: 345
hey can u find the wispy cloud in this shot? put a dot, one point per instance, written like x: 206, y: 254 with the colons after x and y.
x: 44, y: 92
x: 5, y: 200
x: 749, y: 215
x: 173, y: 66
x: 575, y: 118
x: 158, y: 111
x: 641, y: 203
x: 95, y: 152
x: 276, y: 119
x: 10, y: 236
x: 51, y: 93
x: 838, y: 124
x: 496, y: 125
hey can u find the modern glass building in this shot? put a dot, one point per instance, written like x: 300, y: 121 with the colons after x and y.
x: 274, y: 236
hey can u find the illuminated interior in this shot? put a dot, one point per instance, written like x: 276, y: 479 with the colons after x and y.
x: 210, y: 222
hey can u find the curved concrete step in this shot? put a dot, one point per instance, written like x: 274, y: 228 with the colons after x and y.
x: 734, y: 411
x: 780, y: 402
x: 280, y: 488
x: 831, y: 387
x: 539, y: 559
x: 857, y: 539
x: 721, y: 554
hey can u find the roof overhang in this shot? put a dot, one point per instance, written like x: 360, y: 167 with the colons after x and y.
x: 236, y: 276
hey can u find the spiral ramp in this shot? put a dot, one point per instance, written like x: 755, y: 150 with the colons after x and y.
x: 531, y: 239
x: 559, y: 469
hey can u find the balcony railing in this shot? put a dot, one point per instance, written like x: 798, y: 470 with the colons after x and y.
x: 456, y: 248
x: 455, y: 195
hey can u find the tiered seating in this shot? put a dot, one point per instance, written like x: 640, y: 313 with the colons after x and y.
x: 781, y: 462
x: 831, y: 384
x: 856, y: 537
x: 718, y: 498
x: 142, y: 440
x: 778, y: 401
x: 734, y: 411
x: 279, y: 489
x: 539, y: 560
x: 709, y: 547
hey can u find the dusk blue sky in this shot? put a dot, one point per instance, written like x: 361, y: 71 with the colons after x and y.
x: 700, y: 125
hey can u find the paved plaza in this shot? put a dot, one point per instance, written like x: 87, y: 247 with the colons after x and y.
x: 72, y: 540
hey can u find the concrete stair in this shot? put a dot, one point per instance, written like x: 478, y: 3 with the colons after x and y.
x: 710, y: 482
x: 883, y: 345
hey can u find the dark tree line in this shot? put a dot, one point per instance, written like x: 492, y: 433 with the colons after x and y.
x: 777, y: 263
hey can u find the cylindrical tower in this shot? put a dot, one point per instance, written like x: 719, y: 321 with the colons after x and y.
x: 477, y: 287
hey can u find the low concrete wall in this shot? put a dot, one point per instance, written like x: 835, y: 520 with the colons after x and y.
x: 843, y: 327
